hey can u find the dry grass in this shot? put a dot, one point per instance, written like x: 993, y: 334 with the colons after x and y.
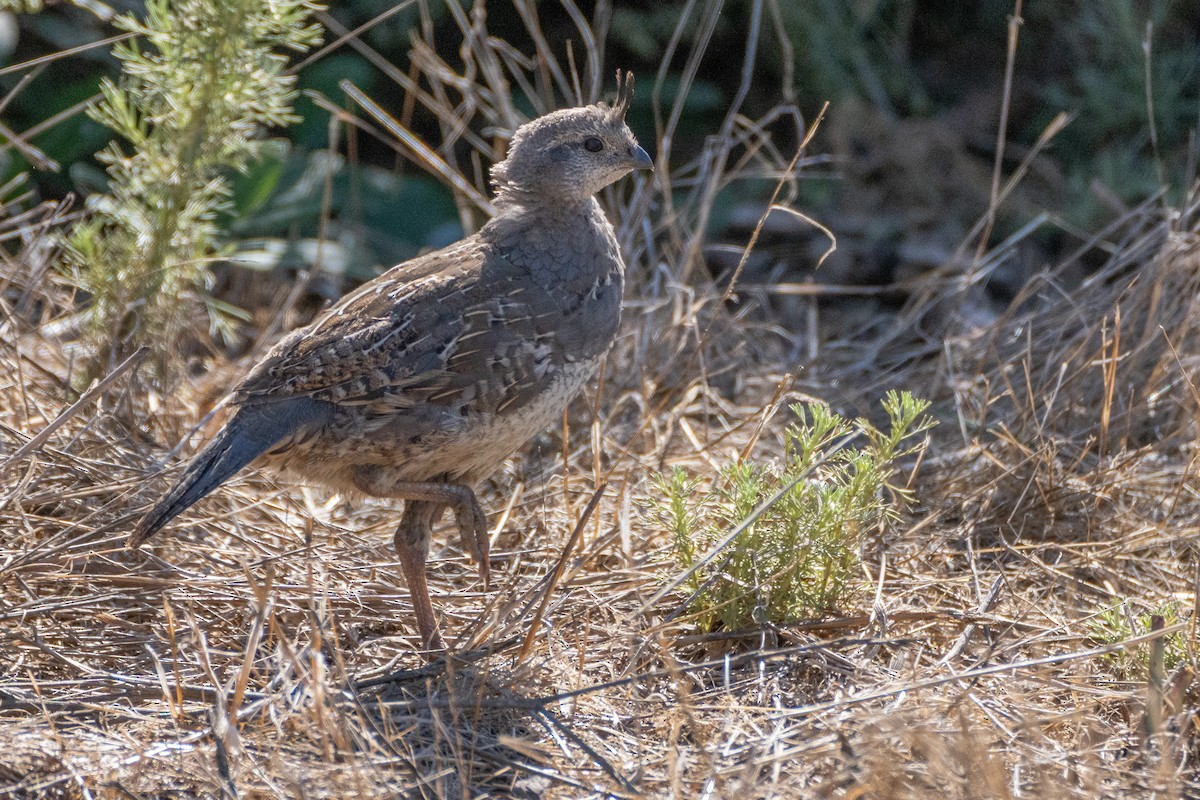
x: 263, y: 645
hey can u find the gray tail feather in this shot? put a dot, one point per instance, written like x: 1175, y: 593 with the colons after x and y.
x: 253, y: 430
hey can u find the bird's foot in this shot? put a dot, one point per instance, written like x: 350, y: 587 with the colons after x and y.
x: 472, y: 524
x: 473, y: 536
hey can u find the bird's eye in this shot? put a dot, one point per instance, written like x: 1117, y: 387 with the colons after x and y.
x: 593, y: 144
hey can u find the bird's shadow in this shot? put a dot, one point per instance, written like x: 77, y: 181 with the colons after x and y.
x: 465, y: 729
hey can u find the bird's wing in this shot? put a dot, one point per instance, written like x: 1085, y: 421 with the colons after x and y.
x: 461, y: 327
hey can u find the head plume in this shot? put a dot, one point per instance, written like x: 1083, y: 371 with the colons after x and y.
x: 624, y: 96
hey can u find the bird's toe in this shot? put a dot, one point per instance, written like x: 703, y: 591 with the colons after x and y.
x: 473, y: 536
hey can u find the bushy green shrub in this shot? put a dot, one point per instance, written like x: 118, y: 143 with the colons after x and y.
x: 201, y: 80
x: 1120, y: 92
x: 1119, y: 623
x: 800, y: 556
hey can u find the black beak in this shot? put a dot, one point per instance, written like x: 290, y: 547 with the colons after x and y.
x: 641, y: 159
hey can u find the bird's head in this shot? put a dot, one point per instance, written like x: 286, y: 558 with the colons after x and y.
x: 569, y: 155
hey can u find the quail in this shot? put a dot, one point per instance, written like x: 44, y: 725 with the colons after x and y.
x: 420, y: 383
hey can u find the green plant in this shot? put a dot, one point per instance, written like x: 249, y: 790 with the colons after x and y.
x: 1135, y: 108
x: 201, y: 80
x: 1119, y: 623
x: 799, y: 557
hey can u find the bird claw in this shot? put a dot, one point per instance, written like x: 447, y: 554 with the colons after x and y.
x: 473, y: 537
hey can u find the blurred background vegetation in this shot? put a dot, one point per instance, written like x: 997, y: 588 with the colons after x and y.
x: 916, y: 93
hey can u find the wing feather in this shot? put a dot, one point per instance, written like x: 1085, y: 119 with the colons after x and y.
x: 459, y: 327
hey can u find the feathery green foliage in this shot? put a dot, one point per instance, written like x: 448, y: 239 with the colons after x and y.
x: 1121, y: 92
x: 800, y: 557
x: 1119, y: 622
x: 200, y: 82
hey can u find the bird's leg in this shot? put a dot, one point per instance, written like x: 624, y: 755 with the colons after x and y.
x: 472, y: 524
x: 412, y: 545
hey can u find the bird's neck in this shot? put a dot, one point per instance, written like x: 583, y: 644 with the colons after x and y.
x: 512, y: 199
x: 541, y: 235
x: 578, y: 221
